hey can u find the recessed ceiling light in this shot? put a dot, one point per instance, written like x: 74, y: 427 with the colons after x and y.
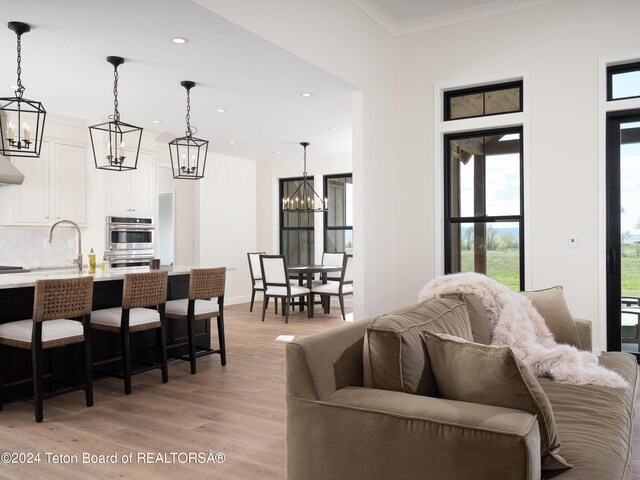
x: 231, y: 141
x: 220, y: 110
x: 276, y: 153
x: 156, y: 121
x: 333, y: 129
x: 179, y: 40
x: 306, y: 94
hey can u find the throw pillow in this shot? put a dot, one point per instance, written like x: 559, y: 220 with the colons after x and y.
x: 552, y: 306
x: 478, y: 318
x: 394, y: 354
x: 492, y: 375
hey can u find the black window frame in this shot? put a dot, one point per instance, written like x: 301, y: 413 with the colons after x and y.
x: 617, y: 69
x: 450, y: 94
x: 327, y: 228
x: 449, y: 219
x: 310, y: 229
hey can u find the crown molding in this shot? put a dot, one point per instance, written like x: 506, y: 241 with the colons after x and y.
x: 459, y: 16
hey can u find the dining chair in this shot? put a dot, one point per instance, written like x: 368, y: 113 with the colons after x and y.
x: 139, y: 292
x: 340, y: 288
x: 256, y: 276
x: 331, y: 258
x: 61, y: 310
x: 277, y: 285
x: 205, y: 284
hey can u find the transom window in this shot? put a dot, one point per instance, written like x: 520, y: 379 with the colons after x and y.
x: 623, y: 81
x: 483, y: 101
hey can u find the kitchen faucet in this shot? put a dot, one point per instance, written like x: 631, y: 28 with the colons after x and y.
x: 78, y: 259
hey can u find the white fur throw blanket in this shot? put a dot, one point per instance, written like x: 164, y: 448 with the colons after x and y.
x: 517, y: 324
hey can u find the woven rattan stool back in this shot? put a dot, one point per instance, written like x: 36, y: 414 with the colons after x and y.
x: 207, y: 283
x: 62, y: 298
x: 144, y: 289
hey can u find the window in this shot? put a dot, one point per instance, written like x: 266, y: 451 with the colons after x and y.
x: 296, y: 228
x: 484, y: 220
x: 338, y: 220
x: 623, y: 81
x: 483, y: 101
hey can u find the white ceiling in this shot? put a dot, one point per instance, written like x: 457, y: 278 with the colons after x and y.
x: 64, y: 66
x: 259, y: 84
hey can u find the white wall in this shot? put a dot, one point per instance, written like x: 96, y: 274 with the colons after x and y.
x: 557, y: 48
x: 186, y: 197
x: 338, y: 37
x: 227, y: 221
x: 267, y: 185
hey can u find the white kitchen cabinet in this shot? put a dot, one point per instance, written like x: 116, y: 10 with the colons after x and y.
x: 31, y: 199
x: 132, y: 193
x: 54, y: 187
x: 69, y: 184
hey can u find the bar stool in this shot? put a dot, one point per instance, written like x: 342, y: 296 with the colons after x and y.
x: 61, y: 310
x: 139, y: 291
x: 205, y: 284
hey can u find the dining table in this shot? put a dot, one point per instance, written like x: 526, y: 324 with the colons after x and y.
x: 307, y: 272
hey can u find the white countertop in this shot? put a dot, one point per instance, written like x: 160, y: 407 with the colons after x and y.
x: 28, y: 279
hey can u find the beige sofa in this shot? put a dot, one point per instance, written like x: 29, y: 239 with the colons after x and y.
x: 339, y: 429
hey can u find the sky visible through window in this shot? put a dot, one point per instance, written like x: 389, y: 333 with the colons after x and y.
x: 626, y: 85
x: 630, y: 186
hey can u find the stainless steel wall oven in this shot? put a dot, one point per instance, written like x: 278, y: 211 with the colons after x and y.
x: 129, y: 241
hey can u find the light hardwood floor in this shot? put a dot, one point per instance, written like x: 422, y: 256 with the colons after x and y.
x: 237, y: 410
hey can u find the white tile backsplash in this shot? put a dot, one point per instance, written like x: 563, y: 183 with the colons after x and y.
x: 25, y: 246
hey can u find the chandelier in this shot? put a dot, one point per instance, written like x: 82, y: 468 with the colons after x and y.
x: 304, y: 199
x: 21, y: 120
x: 188, y: 154
x: 110, y: 140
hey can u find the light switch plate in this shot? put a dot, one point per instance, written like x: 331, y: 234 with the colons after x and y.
x: 45, y: 243
x: 575, y: 241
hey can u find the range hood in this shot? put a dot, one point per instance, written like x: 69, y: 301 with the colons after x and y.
x: 9, y: 175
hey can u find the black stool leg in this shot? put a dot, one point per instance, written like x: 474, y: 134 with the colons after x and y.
x: 2, y: 353
x: 191, y: 334
x: 163, y: 349
x: 126, y: 360
x: 36, y: 358
x: 88, y: 364
x: 223, y: 349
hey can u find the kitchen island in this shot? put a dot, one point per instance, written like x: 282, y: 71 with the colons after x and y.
x: 16, y: 303
x: 28, y: 278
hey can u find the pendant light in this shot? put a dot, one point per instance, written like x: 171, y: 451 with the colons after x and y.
x: 21, y: 120
x: 304, y: 199
x: 111, y: 139
x: 188, y: 154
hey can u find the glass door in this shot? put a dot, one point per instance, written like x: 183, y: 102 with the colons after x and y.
x: 623, y: 231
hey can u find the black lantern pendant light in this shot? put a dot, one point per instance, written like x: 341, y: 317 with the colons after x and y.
x: 21, y: 120
x: 188, y: 154
x: 110, y: 140
x: 304, y: 199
